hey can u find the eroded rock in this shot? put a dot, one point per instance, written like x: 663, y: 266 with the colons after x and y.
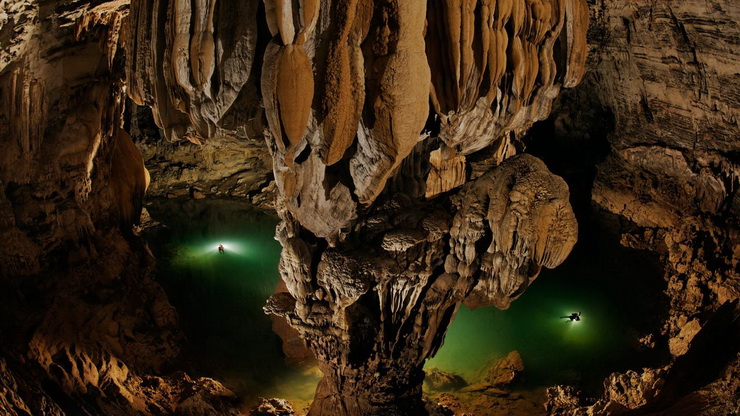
x: 439, y: 380
x: 191, y: 62
x: 374, y: 308
x: 273, y: 407
x: 506, y: 370
x: 497, y: 65
x: 520, y: 215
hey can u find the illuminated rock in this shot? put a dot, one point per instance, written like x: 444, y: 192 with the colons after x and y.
x: 498, y: 65
x: 511, y: 222
x: 374, y: 308
x: 191, y: 62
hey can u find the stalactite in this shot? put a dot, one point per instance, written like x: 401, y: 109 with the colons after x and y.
x: 371, y: 268
x: 512, y: 82
x: 190, y: 61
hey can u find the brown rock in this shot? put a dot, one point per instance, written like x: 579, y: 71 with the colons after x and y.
x: 273, y: 407
x: 679, y: 344
x: 528, y: 214
x: 294, y: 91
x: 506, y: 370
x: 483, y: 75
x: 193, y: 87
x: 439, y: 380
x: 373, y: 277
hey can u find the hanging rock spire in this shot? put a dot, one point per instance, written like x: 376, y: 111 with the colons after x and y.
x: 372, y: 111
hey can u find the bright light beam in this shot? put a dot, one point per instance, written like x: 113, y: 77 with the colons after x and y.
x: 230, y: 246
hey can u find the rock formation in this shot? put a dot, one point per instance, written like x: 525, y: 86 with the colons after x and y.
x: 223, y: 167
x: 340, y: 149
x: 506, y: 370
x: 192, y: 63
x: 346, y: 88
x: 85, y: 329
x: 394, y: 130
x: 273, y: 407
x: 440, y: 380
x: 497, y: 66
x: 665, y: 74
x: 375, y: 307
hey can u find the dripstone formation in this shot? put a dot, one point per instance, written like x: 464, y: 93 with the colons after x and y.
x: 358, y: 95
x: 396, y: 131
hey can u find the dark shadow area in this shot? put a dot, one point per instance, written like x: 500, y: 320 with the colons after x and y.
x: 573, y: 141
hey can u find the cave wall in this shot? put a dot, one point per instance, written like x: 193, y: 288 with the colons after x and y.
x: 674, y: 166
x: 223, y: 167
x: 663, y: 80
x: 84, y: 328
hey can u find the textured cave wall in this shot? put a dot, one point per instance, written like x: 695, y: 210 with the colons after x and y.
x: 674, y: 166
x: 663, y: 81
x: 203, y: 135
x: 223, y: 167
x: 84, y: 328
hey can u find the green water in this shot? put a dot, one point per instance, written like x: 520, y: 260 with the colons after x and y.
x: 614, y: 290
x: 219, y: 298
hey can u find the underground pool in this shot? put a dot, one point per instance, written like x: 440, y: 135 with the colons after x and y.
x: 219, y: 298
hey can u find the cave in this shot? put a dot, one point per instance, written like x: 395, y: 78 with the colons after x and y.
x: 369, y: 207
